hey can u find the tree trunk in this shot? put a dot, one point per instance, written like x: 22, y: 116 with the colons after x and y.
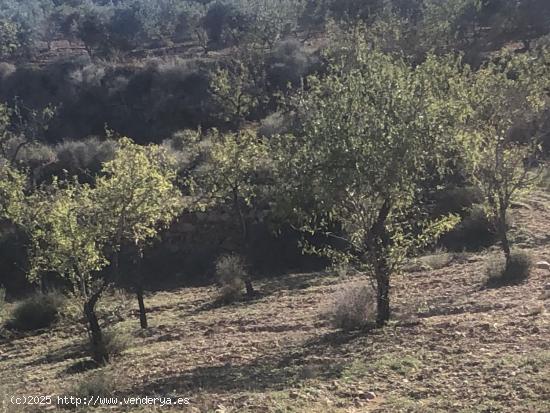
x: 249, y: 288
x: 378, y: 241
x: 139, y: 287
x: 503, y: 235
x: 383, y: 299
x: 250, y: 292
x: 99, y: 352
x: 142, y: 311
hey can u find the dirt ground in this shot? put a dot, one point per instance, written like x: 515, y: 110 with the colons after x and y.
x: 453, y: 344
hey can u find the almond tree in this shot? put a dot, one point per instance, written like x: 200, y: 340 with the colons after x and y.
x: 501, y: 142
x: 239, y: 86
x: 137, y: 197
x: 232, y: 171
x: 12, y: 184
x: 77, y: 230
x: 67, y: 237
x: 372, y: 130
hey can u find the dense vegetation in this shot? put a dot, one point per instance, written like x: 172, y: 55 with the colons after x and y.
x: 260, y: 128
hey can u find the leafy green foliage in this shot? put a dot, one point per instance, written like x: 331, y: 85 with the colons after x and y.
x: 65, y: 235
x: 9, y: 39
x: 372, y: 130
x: 273, y: 19
x: 12, y: 185
x: 366, y: 134
x: 449, y: 24
x: 232, y: 164
x: 136, y: 194
x: 501, y: 142
x: 238, y: 87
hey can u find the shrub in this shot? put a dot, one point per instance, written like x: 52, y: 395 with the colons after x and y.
x: 77, y: 157
x: 288, y: 64
x: 473, y: 233
x: 116, y: 341
x: 516, y: 271
x: 341, y: 269
x: 37, y: 311
x: 95, y: 385
x: 6, y: 69
x: 353, y: 308
x: 439, y: 259
x: 231, y: 272
x: 36, y: 155
x: 456, y: 200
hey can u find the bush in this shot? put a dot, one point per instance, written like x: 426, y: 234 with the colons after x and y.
x: 78, y: 157
x: 353, y: 308
x: 517, y: 270
x: 98, y: 384
x: 473, y: 233
x: 231, y: 273
x: 456, y: 200
x: 288, y: 64
x: 438, y: 260
x: 37, y: 311
x: 115, y: 342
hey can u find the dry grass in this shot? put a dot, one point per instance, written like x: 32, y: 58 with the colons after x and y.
x: 353, y: 307
x: 464, y: 348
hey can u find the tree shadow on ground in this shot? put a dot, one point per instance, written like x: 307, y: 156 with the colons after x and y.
x: 270, y: 286
x: 72, y: 351
x: 81, y: 366
x: 274, y: 372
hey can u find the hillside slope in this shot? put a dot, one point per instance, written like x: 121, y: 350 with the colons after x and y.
x: 454, y: 345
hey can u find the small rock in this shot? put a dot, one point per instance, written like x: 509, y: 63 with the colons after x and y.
x: 370, y: 395
x: 543, y: 265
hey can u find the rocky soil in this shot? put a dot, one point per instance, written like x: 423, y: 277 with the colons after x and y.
x: 453, y: 344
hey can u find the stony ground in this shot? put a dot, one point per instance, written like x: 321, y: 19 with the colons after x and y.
x: 453, y: 346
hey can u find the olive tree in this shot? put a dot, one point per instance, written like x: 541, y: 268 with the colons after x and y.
x: 273, y: 20
x: 137, y: 197
x: 22, y: 126
x: 9, y: 38
x: 449, y: 24
x: 239, y: 87
x: 373, y: 129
